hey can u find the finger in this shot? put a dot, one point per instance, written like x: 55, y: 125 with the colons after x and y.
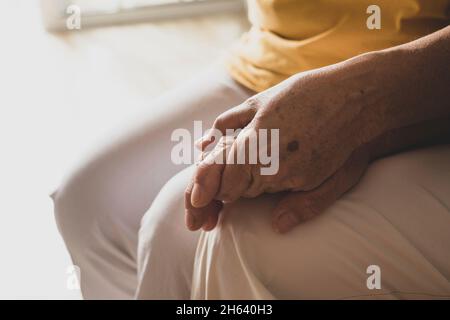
x: 234, y: 118
x: 235, y: 181
x: 195, y: 217
x: 236, y: 176
x: 212, y: 218
x: 205, y: 217
x: 297, y: 207
x: 208, y: 174
x: 191, y: 220
x: 206, y: 184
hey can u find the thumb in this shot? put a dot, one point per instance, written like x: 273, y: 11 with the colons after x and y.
x: 297, y: 207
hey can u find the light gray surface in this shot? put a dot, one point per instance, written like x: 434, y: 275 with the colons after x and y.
x: 62, y: 96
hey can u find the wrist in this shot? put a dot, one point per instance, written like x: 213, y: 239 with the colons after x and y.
x: 369, y: 90
x: 385, y: 92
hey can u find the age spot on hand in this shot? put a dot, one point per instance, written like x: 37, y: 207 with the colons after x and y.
x: 292, y: 146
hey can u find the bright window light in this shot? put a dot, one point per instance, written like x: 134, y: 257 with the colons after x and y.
x: 103, y: 12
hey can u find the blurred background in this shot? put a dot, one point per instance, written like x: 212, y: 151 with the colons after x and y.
x: 65, y: 90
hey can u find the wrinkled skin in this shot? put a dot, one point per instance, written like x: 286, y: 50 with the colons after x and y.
x: 317, y: 114
x: 329, y: 121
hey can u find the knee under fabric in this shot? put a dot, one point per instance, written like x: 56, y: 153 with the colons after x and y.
x: 395, y: 222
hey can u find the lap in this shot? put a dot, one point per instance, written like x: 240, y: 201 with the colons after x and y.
x: 396, y: 218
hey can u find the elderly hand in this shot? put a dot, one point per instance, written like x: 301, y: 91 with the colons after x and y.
x: 325, y: 119
x: 331, y: 122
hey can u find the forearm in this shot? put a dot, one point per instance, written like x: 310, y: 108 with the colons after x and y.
x: 405, y: 92
x: 426, y: 87
x: 416, y: 77
x: 372, y: 94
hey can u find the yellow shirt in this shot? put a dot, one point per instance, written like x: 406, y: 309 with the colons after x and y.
x: 290, y: 36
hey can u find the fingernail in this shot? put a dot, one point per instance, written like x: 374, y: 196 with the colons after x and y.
x: 285, y: 222
x: 196, y: 195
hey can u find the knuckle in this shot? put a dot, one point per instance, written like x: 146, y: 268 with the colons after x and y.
x: 252, y: 103
x: 226, y: 141
x: 220, y: 120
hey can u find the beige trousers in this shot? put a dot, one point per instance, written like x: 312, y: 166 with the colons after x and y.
x: 99, y: 206
x: 396, y: 220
